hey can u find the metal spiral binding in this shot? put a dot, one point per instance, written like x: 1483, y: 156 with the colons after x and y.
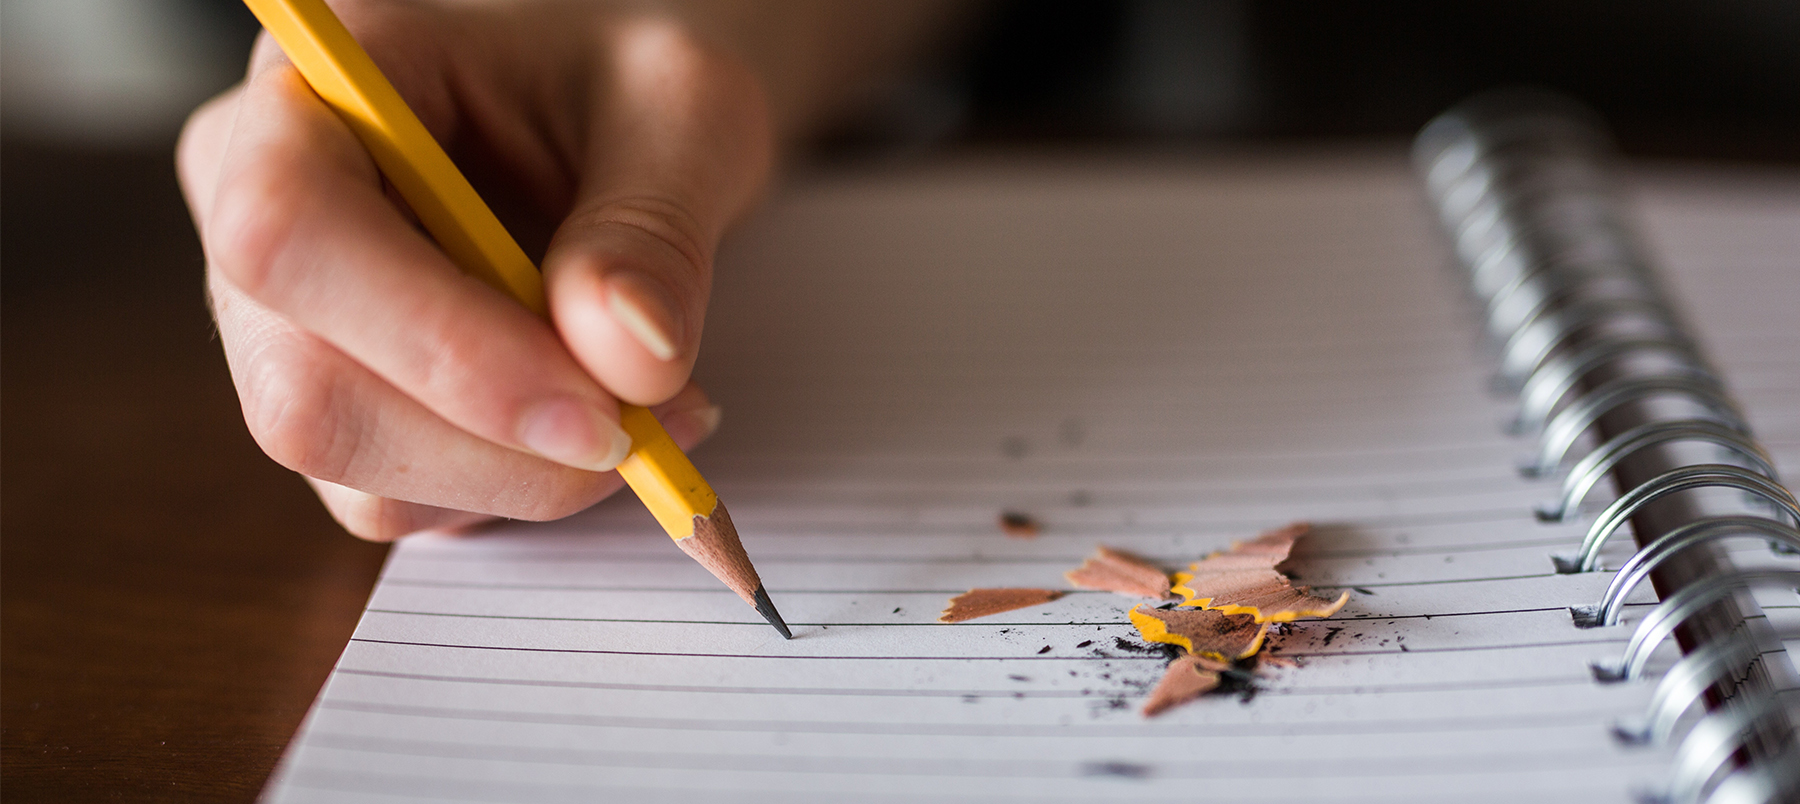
x: 1596, y: 465
x: 1588, y: 340
x: 1670, y: 614
x: 1671, y: 544
x: 1714, y: 741
x: 1687, y: 478
x: 1573, y: 421
x: 1773, y: 780
x: 1685, y: 683
x: 1553, y: 381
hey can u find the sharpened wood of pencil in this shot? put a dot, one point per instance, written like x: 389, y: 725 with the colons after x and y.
x: 342, y: 73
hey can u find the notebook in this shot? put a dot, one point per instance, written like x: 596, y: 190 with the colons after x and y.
x: 1162, y: 354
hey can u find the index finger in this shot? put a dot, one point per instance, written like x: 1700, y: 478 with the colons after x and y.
x: 200, y: 152
x: 301, y: 224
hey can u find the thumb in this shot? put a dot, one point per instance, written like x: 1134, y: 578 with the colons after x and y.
x: 678, y: 146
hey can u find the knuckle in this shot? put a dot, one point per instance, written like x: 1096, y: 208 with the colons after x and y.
x: 452, y: 359
x: 295, y: 410
x: 543, y: 511
x: 253, y: 221
x: 666, y: 223
x: 557, y: 506
x: 205, y: 127
x: 692, y: 78
x: 373, y: 518
x: 675, y: 55
x: 554, y: 492
x: 663, y: 42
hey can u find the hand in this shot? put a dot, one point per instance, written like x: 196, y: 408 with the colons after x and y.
x: 410, y: 395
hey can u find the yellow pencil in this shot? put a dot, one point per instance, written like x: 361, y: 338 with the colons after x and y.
x: 342, y: 73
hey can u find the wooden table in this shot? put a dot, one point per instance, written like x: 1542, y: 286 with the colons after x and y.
x: 171, y: 599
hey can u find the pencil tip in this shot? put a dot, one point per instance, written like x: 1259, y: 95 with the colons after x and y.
x: 767, y: 609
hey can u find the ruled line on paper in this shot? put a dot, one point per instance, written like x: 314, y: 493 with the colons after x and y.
x: 775, y: 456
x: 665, y: 557
x: 435, y: 788
x: 701, y: 590
x: 1223, y: 529
x: 990, y: 623
x: 1576, y: 718
x: 1578, y: 678
x: 1619, y: 640
x: 986, y: 622
x: 1513, y: 514
x: 1249, y: 768
x: 1415, y: 492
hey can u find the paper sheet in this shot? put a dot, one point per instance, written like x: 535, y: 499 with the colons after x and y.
x: 1163, y: 357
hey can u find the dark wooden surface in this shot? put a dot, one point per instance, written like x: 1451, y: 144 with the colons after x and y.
x: 171, y: 599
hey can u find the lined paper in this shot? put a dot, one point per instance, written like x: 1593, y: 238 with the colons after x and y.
x: 1162, y: 357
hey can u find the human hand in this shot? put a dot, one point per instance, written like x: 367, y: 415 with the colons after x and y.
x: 410, y: 395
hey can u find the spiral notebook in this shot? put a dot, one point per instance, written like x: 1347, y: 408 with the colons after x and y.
x: 1163, y: 355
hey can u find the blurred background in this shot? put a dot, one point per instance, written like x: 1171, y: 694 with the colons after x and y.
x: 1676, y: 78
x: 172, y: 599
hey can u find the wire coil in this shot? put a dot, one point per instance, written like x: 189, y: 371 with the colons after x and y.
x: 1520, y: 182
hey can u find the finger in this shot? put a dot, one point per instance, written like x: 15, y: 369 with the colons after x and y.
x: 316, y: 411
x: 677, y: 149
x: 380, y: 519
x: 689, y: 418
x: 301, y: 225
x: 201, y: 151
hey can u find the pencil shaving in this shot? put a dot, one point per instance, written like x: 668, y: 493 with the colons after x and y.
x: 1212, y: 634
x: 983, y: 602
x: 1203, y: 585
x: 1110, y: 570
x: 1186, y: 678
x: 1283, y: 606
x: 1244, y: 580
x: 1233, y: 599
x: 1274, y: 545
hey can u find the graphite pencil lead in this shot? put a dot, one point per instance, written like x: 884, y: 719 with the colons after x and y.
x: 715, y: 545
x: 766, y: 608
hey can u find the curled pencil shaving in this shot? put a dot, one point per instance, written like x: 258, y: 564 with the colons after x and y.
x: 1187, y: 678
x: 1273, y: 545
x: 1243, y: 580
x: 983, y: 602
x: 1117, y: 571
x: 1279, y: 605
x: 1212, y: 634
x: 1247, y: 567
